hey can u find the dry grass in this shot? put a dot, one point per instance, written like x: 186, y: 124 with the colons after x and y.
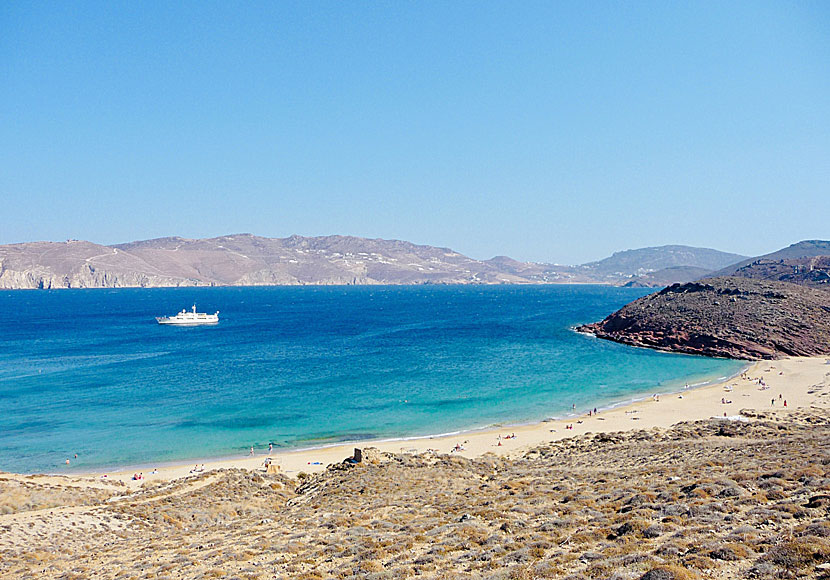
x: 691, y: 502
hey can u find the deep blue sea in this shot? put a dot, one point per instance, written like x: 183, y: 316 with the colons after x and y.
x: 90, y: 372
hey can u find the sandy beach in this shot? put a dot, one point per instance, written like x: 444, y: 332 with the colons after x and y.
x: 640, y: 488
x: 765, y: 386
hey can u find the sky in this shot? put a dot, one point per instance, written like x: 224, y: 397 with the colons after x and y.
x: 548, y: 131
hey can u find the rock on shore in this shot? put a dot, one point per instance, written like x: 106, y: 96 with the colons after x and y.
x: 725, y: 317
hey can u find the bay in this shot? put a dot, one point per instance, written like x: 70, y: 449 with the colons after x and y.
x: 89, y: 372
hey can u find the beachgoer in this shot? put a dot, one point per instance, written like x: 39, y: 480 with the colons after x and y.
x: 252, y: 450
x: 270, y: 448
x: 785, y: 402
x: 67, y: 462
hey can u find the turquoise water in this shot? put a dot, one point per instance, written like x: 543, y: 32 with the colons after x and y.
x: 90, y: 372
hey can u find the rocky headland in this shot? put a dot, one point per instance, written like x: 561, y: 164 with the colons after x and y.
x: 732, y: 317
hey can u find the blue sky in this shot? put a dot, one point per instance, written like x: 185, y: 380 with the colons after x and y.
x: 549, y: 131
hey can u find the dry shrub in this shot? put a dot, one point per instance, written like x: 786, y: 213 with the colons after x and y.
x: 798, y: 554
x: 699, y: 562
x: 669, y: 572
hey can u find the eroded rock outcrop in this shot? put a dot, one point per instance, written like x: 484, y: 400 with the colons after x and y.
x: 726, y: 317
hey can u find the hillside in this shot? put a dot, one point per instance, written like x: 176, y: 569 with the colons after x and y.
x: 796, y: 254
x: 666, y: 277
x: 644, y: 260
x: 248, y: 260
x: 728, y: 317
x: 805, y: 263
x: 708, y: 499
x: 239, y: 260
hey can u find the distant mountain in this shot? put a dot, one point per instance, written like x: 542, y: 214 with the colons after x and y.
x: 239, y: 260
x: 248, y: 260
x: 667, y: 276
x: 646, y: 260
x: 806, y: 263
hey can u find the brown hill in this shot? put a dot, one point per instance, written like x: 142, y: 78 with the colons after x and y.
x: 813, y: 271
x: 806, y: 263
x: 240, y: 260
x: 727, y: 317
x: 248, y: 260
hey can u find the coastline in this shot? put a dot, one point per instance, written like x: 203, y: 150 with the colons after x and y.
x: 787, y: 380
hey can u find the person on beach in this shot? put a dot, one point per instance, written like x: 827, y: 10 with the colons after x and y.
x: 270, y: 448
x: 252, y: 450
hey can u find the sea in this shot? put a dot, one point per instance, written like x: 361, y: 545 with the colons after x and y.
x: 90, y: 372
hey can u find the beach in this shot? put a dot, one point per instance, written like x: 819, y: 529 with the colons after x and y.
x: 666, y: 484
x: 789, y: 381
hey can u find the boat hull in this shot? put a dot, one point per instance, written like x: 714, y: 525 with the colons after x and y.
x: 187, y: 322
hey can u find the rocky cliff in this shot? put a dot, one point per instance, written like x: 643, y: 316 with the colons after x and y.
x: 727, y: 317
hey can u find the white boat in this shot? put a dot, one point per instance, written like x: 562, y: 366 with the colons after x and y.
x: 185, y: 318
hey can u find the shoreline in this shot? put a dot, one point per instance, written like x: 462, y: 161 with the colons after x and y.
x: 787, y: 380
x: 567, y: 417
